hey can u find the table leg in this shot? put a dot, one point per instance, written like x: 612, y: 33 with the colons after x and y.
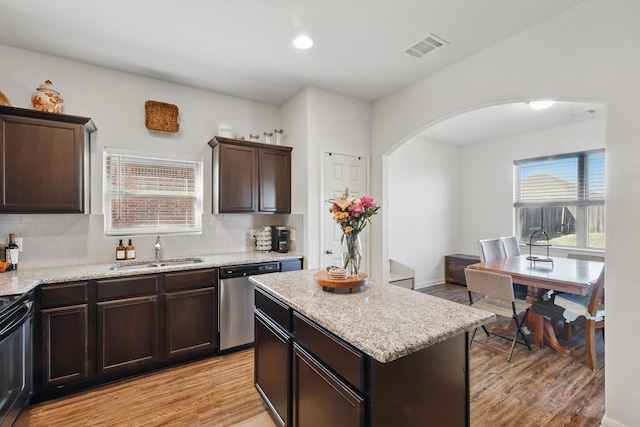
x: 542, y: 328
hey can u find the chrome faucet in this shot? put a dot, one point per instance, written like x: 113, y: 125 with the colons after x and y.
x: 158, y: 248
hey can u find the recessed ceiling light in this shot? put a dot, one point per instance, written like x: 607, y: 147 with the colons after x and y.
x: 541, y: 105
x: 303, y: 42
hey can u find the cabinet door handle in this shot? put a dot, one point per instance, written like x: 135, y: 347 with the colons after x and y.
x: 328, y: 252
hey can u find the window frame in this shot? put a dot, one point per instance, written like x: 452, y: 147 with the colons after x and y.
x: 167, y: 160
x: 583, y: 202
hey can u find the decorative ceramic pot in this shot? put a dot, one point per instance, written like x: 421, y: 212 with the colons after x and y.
x: 47, y: 98
x: 351, y: 254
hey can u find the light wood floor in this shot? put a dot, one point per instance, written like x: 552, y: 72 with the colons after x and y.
x: 538, y: 388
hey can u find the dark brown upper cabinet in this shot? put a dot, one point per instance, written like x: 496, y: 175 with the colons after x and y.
x: 44, y: 162
x: 250, y: 177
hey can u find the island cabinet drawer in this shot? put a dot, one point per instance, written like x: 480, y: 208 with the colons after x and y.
x: 127, y: 287
x: 190, y: 279
x: 340, y: 357
x: 64, y: 294
x: 279, y: 312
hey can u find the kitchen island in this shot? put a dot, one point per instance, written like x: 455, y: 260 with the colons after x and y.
x: 381, y: 356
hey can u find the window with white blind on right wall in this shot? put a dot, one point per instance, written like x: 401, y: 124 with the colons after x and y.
x: 564, y: 195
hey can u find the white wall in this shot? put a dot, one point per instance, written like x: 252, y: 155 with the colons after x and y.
x: 334, y: 123
x: 115, y: 101
x: 487, y: 176
x: 588, y: 52
x: 424, y: 207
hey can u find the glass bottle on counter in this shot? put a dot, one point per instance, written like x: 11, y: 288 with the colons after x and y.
x: 130, y: 251
x: 12, y: 252
x: 120, y: 251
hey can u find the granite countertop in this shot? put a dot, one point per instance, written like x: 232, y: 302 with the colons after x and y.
x: 24, y: 280
x: 384, y: 321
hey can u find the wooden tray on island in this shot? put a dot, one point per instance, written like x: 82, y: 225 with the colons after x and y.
x: 352, y: 283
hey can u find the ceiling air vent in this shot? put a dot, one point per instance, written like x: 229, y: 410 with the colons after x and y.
x: 425, y: 45
x: 589, y: 112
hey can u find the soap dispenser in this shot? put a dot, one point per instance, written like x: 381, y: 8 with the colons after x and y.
x: 130, y: 251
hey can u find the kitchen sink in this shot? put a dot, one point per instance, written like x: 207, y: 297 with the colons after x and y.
x: 138, y: 265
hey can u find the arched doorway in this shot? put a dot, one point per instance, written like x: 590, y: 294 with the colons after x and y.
x: 451, y: 183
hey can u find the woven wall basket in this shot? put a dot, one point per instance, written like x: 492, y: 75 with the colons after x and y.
x: 161, y: 117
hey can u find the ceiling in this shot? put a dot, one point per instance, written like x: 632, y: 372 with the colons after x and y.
x: 243, y: 48
x: 500, y: 121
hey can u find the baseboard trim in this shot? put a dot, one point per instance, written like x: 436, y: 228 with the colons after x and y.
x: 607, y: 422
x: 429, y: 283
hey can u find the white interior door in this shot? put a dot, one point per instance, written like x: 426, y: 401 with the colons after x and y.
x: 341, y: 171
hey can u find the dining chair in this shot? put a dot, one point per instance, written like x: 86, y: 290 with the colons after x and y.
x: 491, y: 249
x: 497, y: 296
x: 591, y: 309
x: 511, y: 246
x: 581, y: 310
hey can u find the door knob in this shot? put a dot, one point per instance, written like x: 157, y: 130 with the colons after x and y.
x: 328, y: 252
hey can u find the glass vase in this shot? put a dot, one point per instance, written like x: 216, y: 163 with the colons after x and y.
x: 351, y: 254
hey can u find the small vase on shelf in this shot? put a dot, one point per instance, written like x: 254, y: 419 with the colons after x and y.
x: 351, y: 254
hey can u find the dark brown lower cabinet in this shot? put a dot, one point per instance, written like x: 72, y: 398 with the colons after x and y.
x: 65, y: 345
x: 190, y: 325
x: 272, y: 368
x: 128, y: 324
x: 62, y: 344
x: 320, y: 398
x: 191, y: 318
x: 127, y: 334
x: 89, y: 333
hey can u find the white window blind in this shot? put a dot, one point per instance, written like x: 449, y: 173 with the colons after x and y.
x: 576, y: 179
x: 151, y: 194
x: 563, y: 195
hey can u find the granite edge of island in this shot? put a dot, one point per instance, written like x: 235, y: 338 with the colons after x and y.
x: 24, y: 280
x: 385, y: 322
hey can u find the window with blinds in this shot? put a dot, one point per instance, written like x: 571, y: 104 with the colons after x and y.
x: 151, y: 194
x: 563, y: 195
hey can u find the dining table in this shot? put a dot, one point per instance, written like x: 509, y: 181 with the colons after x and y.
x: 558, y: 274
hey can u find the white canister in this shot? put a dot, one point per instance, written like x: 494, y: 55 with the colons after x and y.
x: 225, y: 129
x: 279, y: 135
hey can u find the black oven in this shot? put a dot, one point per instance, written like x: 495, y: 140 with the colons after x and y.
x: 16, y: 314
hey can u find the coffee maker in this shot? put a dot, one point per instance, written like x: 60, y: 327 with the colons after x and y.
x: 279, y: 238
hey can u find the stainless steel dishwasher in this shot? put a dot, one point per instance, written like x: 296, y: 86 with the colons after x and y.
x: 236, y: 302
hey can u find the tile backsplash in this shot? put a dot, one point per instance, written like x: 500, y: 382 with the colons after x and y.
x: 50, y: 240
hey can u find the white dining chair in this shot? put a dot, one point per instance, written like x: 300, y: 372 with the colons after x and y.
x: 511, y: 246
x: 491, y: 249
